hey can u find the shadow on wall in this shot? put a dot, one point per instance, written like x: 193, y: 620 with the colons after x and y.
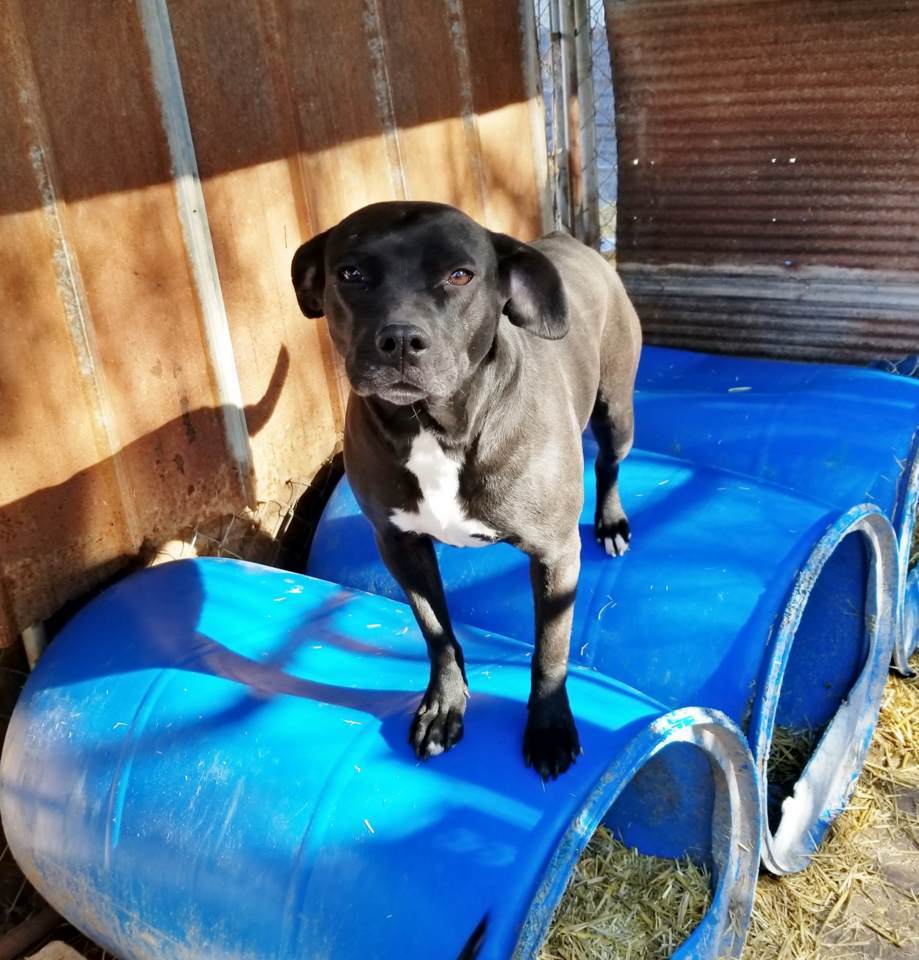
x: 52, y: 540
x: 299, y: 113
x: 262, y: 82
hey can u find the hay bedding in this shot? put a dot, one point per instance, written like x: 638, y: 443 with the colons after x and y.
x: 624, y: 906
x: 859, y: 898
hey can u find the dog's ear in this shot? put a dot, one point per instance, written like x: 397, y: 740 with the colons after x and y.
x: 307, y: 271
x: 536, y: 299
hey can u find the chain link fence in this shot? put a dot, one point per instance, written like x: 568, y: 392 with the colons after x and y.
x: 577, y: 89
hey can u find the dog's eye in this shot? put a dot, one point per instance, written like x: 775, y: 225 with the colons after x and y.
x: 459, y: 278
x: 351, y: 275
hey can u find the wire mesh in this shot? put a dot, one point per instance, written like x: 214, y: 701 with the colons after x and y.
x: 597, y: 127
x: 278, y: 532
x: 550, y: 81
x: 604, y: 120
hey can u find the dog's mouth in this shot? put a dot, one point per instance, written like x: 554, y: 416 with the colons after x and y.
x: 396, y: 389
x: 401, y: 393
x: 399, y: 385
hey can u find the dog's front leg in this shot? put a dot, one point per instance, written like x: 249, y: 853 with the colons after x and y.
x: 438, y: 722
x: 550, y: 744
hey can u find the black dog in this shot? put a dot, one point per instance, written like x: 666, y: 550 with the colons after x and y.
x: 475, y: 362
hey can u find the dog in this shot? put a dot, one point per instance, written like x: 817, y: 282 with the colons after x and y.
x: 475, y: 363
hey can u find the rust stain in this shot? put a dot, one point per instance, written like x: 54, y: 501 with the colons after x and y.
x: 345, y: 156
x: 460, y: 42
x: 769, y: 135
x: 33, y: 137
x: 54, y: 424
x: 437, y: 160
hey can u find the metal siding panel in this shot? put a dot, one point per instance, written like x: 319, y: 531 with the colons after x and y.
x: 284, y: 360
x: 120, y: 438
x: 300, y: 113
x: 34, y: 315
x: 130, y: 250
x: 440, y: 153
x: 343, y: 105
x: 775, y: 134
x: 509, y: 112
x: 54, y: 532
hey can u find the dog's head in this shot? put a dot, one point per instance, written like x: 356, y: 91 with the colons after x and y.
x: 414, y: 292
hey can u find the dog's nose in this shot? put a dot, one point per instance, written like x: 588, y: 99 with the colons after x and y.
x: 402, y: 341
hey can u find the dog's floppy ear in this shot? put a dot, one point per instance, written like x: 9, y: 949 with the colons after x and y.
x: 536, y: 299
x: 307, y: 271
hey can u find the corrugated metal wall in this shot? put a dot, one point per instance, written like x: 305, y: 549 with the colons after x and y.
x: 159, y: 166
x: 769, y: 173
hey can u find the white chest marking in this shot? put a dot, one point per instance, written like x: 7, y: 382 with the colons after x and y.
x: 439, y: 513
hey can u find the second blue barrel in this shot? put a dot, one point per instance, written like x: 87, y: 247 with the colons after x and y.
x: 845, y: 435
x: 736, y: 595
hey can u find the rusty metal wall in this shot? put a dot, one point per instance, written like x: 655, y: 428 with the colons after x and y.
x: 769, y: 173
x: 161, y: 162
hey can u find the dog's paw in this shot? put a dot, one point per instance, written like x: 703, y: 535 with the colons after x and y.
x: 550, y: 743
x: 614, y: 537
x: 438, y: 722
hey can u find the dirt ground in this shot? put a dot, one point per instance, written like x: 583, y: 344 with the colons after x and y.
x: 860, y: 897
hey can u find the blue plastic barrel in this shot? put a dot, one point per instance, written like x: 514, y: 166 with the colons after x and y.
x: 736, y: 595
x: 910, y: 610
x: 845, y: 435
x: 211, y: 761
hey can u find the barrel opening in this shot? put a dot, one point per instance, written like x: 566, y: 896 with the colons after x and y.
x: 829, y: 652
x: 647, y: 877
x: 666, y: 809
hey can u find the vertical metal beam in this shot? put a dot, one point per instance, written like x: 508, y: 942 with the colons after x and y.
x: 533, y: 83
x: 197, y: 233
x: 382, y: 88
x: 456, y: 18
x: 571, y: 117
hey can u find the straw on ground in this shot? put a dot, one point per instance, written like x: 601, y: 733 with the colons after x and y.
x: 859, y: 897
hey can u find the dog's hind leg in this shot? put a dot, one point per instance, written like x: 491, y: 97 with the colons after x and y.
x: 613, y: 430
x: 612, y: 422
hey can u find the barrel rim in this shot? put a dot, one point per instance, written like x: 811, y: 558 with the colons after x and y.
x: 722, y: 931
x: 828, y: 779
x: 907, y: 639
